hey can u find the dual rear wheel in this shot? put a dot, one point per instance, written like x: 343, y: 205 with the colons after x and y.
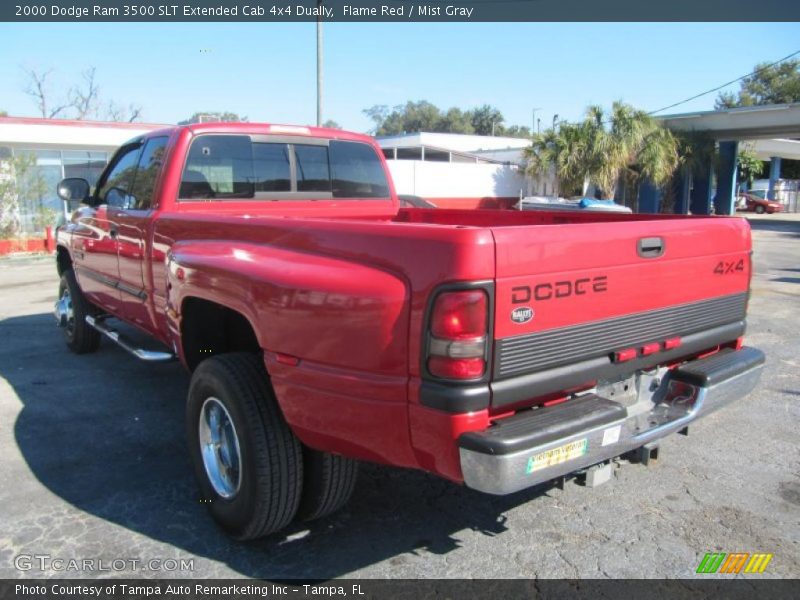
x: 253, y: 472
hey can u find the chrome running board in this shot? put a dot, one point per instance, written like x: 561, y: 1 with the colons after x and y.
x: 125, y: 343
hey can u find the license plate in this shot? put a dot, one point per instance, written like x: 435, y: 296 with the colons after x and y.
x: 556, y: 456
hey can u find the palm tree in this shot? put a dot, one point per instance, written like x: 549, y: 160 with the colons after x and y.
x: 629, y: 145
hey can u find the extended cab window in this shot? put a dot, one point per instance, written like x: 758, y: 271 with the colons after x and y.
x: 272, y: 168
x: 219, y: 166
x: 313, y: 172
x: 222, y: 167
x: 356, y: 171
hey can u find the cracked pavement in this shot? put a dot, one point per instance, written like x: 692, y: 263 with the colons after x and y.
x: 94, y: 466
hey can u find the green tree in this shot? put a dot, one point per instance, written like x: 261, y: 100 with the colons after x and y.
x: 418, y: 116
x: 769, y: 84
x: 750, y: 166
x: 626, y: 146
x: 378, y: 114
x: 331, y: 124
x: 486, y: 120
x: 20, y: 184
x: 209, y: 116
x: 519, y: 131
x: 456, y: 120
x: 3, y: 113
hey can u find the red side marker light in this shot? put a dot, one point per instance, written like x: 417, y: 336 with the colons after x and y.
x: 672, y: 343
x: 623, y: 355
x: 287, y: 359
x: 649, y: 349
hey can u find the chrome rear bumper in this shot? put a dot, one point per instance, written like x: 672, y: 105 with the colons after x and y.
x: 540, y: 445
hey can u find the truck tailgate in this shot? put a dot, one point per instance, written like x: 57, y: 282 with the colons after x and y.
x: 568, y: 297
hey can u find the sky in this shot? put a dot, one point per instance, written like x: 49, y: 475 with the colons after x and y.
x: 267, y: 71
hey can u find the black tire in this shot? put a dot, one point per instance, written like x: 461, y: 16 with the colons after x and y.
x: 328, y: 483
x: 270, y: 464
x: 760, y: 209
x: 80, y: 338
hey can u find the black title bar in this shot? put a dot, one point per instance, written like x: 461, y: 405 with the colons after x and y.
x: 398, y: 10
x: 379, y: 589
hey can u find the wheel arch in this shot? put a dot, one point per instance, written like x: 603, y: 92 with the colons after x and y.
x: 208, y: 328
x: 63, y: 260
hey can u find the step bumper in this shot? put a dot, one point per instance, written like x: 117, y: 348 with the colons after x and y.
x: 540, y: 445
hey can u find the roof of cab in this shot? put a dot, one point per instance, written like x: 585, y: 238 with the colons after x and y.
x: 275, y: 129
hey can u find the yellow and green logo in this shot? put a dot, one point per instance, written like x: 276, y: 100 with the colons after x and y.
x: 734, y: 562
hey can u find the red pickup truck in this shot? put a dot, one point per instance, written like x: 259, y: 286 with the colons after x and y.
x: 324, y: 325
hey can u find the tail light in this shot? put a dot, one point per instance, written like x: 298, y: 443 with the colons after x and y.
x: 458, y: 332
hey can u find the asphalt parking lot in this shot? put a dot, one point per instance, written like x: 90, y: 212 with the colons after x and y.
x: 93, y: 466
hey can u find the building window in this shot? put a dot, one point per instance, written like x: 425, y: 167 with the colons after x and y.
x: 50, y: 167
x: 86, y: 165
x: 409, y: 153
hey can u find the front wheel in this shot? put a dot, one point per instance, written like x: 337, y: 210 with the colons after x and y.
x: 71, y: 310
x: 760, y: 210
x: 246, y: 459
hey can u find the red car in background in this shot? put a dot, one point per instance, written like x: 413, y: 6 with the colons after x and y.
x: 753, y: 203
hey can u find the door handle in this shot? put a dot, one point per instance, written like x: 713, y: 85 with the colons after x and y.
x: 650, y: 247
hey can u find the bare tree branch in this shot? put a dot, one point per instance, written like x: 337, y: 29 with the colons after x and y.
x: 37, y: 89
x: 84, y: 100
x: 115, y: 112
x: 135, y: 113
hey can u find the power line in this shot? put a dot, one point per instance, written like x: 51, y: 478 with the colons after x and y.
x: 724, y: 85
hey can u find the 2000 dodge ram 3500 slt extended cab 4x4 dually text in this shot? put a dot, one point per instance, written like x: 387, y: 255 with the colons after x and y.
x: 324, y: 325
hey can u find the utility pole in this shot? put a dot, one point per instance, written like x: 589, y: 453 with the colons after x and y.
x: 319, y: 63
x: 538, y: 126
x: 533, y: 120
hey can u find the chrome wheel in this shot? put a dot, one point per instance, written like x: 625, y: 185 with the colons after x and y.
x: 65, y: 315
x: 219, y: 447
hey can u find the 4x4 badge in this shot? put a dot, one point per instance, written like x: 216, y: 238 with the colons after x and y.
x: 522, y: 314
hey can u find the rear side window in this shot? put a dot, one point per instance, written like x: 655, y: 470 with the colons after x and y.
x: 313, y: 171
x: 356, y: 171
x: 219, y: 166
x: 222, y: 167
x: 272, y: 168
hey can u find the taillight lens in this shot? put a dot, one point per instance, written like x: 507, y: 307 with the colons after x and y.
x: 458, y: 335
x: 459, y: 315
x: 461, y: 368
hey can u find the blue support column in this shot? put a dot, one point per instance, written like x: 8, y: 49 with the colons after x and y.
x: 725, y: 200
x: 774, y: 175
x: 682, y: 185
x: 701, y: 190
x: 649, y: 197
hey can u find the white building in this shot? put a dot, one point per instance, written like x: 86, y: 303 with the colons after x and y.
x: 459, y: 171
x: 65, y: 148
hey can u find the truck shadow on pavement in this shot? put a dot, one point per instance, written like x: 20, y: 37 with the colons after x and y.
x: 787, y: 227
x: 105, y: 433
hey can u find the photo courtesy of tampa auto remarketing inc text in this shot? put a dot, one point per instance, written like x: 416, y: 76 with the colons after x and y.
x: 383, y: 299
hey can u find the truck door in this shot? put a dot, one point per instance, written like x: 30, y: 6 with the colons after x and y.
x: 133, y: 229
x: 94, y: 241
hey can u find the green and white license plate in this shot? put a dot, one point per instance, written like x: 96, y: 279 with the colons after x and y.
x: 556, y: 456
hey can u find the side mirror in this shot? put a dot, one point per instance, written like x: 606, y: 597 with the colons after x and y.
x: 73, y: 188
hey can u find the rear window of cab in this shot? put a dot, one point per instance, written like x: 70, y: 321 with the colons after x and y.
x: 234, y: 167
